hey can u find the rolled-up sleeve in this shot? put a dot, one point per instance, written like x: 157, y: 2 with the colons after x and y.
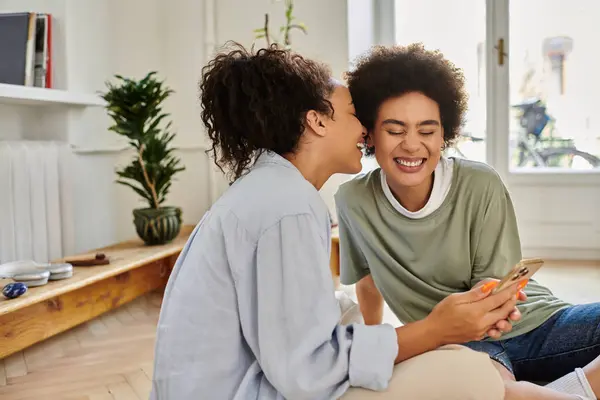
x: 292, y: 322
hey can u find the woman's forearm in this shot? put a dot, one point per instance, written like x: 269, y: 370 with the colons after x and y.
x: 413, y: 339
x: 417, y: 338
x: 370, y: 301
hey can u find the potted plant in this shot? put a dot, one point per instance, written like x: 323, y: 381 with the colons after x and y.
x: 135, y: 107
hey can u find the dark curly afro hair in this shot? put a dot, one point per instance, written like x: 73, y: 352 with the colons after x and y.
x: 257, y: 101
x: 392, y: 71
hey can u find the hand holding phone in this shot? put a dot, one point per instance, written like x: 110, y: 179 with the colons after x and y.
x: 524, y: 270
x: 466, y: 316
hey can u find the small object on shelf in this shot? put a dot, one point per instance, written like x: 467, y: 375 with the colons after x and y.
x: 32, y: 278
x: 98, y: 259
x: 60, y: 271
x: 14, y: 290
x: 35, y: 274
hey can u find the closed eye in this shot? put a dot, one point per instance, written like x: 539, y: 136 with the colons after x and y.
x: 395, y: 133
x: 427, y: 133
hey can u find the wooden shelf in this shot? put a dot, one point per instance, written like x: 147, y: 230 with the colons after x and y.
x: 26, y: 95
x: 134, y: 270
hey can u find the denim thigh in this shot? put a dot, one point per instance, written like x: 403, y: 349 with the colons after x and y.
x: 569, y: 339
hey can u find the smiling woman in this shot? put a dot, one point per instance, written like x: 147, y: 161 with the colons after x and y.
x: 424, y: 227
x: 411, y: 128
x: 409, y: 141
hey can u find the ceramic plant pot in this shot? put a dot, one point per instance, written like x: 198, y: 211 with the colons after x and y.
x: 157, y: 225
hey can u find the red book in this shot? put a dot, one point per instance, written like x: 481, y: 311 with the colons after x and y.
x: 49, y: 53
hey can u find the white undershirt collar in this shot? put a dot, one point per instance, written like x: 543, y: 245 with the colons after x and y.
x: 442, y: 180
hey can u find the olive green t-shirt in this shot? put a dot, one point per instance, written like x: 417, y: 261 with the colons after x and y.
x: 415, y: 263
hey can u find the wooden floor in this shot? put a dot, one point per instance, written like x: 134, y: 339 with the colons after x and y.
x: 107, y: 358
x: 111, y: 356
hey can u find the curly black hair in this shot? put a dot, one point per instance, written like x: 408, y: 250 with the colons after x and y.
x: 256, y: 101
x: 392, y: 71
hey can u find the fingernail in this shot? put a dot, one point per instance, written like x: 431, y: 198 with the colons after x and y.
x: 523, y: 284
x: 489, y: 286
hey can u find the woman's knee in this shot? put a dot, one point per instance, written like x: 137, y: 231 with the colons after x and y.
x: 504, y: 372
x: 449, y: 373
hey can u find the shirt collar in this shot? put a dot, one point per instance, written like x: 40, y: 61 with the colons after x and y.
x: 270, y: 157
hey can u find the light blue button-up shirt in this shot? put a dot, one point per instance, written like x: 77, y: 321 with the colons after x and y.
x: 250, y: 311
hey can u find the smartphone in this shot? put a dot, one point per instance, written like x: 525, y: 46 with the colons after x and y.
x: 523, y: 270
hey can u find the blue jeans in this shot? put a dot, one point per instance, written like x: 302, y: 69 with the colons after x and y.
x: 569, y: 339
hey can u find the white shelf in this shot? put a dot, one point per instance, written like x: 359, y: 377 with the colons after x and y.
x: 26, y: 95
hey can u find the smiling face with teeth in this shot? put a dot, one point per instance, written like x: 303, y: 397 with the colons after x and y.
x: 408, y: 139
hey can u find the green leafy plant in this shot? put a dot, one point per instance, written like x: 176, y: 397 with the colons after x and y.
x: 284, y: 31
x: 135, y: 107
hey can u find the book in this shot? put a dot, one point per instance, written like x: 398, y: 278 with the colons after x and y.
x: 26, y: 49
x: 43, y: 77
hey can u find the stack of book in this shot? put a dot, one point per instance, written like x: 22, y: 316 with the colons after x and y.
x: 26, y: 49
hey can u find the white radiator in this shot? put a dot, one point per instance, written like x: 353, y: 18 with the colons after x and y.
x: 33, y: 178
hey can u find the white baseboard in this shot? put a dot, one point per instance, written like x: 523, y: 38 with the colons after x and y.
x: 562, y: 253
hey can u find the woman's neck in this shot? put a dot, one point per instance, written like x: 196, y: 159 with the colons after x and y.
x: 311, y: 167
x: 413, y: 198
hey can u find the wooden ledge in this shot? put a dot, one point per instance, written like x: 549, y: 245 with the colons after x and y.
x: 45, y: 311
x: 123, y: 257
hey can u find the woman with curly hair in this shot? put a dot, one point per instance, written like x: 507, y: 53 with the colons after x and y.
x: 249, y: 311
x: 423, y: 227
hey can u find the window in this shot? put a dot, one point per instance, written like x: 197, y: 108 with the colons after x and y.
x: 553, y: 67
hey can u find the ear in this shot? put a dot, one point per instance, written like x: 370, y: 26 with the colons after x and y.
x: 316, y: 122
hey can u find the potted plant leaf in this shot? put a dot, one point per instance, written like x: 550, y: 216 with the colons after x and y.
x: 135, y: 107
x: 284, y: 31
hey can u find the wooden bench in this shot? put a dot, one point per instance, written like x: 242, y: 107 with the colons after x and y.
x: 48, y: 310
